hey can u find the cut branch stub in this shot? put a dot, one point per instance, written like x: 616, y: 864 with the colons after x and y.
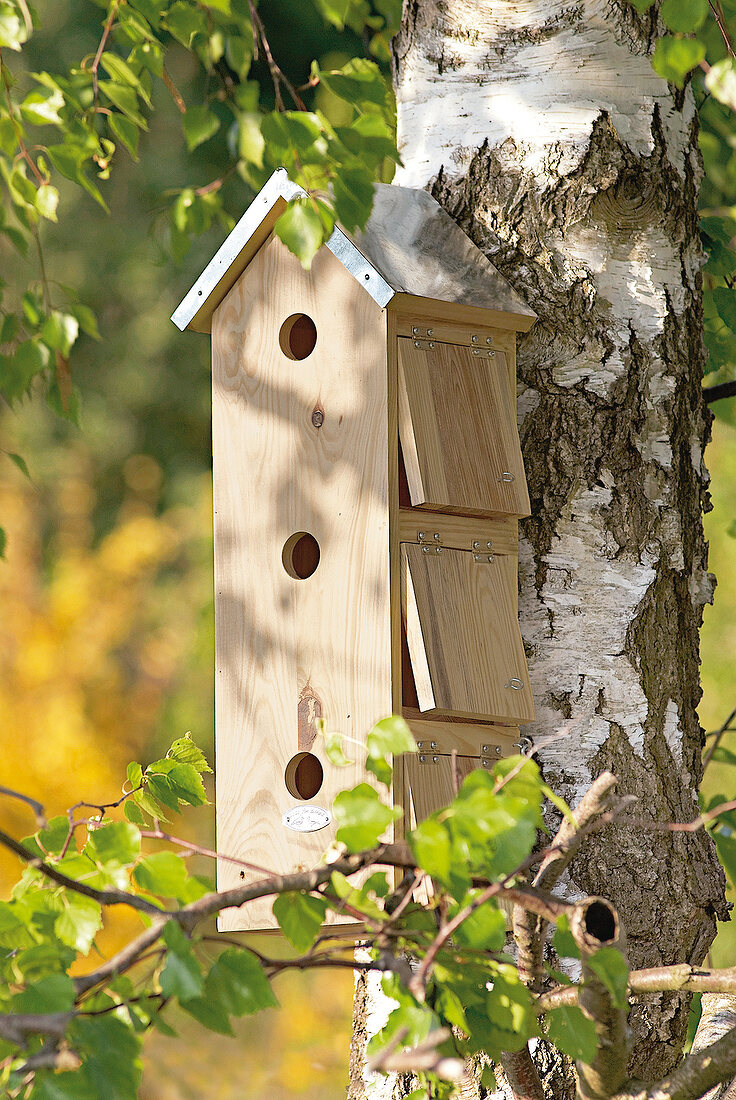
x: 594, y: 924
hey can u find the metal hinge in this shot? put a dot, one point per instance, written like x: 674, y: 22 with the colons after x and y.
x: 489, y: 754
x: 430, y: 545
x: 425, y: 758
x: 482, y: 551
x: 427, y: 746
x: 424, y: 345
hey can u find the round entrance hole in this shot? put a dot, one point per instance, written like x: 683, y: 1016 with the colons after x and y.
x: 298, y: 336
x: 300, y: 555
x: 303, y: 776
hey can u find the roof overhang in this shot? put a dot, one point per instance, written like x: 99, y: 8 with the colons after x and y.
x: 254, y: 228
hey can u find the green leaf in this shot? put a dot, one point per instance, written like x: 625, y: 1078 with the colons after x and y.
x: 149, y: 55
x: 720, y: 81
x: 302, y: 231
x: 334, y: 11
x: 334, y: 750
x: 572, y: 1032
x: 609, y: 965
x: 723, y: 756
x: 362, y: 817
x: 390, y: 736
x: 726, y: 848
x: 87, y: 320
x: 125, y: 99
x: 674, y: 58
x: 173, y: 783
x: 21, y: 463
x: 642, y: 5
x: 238, y: 982
x: 54, y: 993
x: 13, y: 32
x: 110, y: 1051
x: 8, y: 137
x: 185, y: 751
x: 563, y: 940
x: 199, y: 125
x: 163, y: 874
x: 485, y: 928
x: 353, y: 191
x: 134, y: 813
x: 431, y: 845
x: 300, y: 917
x: 126, y: 131
x: 41, y: 107
x: 79, y: 923
x: 184, y: 22
x: 30, y: 358
x: 118, y: 841
x: 47, y: 201
x: 684, y: 15
x: 182, y: 976
x: 381, y: 768
x: 3, y: 542
x: 51, y: 839
x: 60, y: 331
x: 121, y: 73
x: 251, y: 143
x: 725, y: 303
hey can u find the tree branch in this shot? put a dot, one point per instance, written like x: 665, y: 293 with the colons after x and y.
x: 695, y: 1076
x: 717, y: 393
x: 595, y: 924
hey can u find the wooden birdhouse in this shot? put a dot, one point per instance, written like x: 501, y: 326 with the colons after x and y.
x: 368, y: 479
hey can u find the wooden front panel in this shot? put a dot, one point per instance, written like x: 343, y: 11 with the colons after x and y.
x: 463, y: 634
x: 457, y: 423
x: 432, y: 784
x: 299, y: 446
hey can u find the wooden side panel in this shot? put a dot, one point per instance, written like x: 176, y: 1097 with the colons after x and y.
x: 461, y: 532
x: 463, y: 635
x: 432, y: 785
x: 298, y: 446
x: 457, y: 423
x: 459, y: 735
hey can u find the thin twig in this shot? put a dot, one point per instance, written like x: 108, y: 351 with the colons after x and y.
x: 100, y: 49
x: 721, y: 21
x: 197, y: 849
x: 717, y: 735
x: 37, y: 807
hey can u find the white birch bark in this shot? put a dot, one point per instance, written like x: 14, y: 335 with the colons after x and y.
x: 542, y: 129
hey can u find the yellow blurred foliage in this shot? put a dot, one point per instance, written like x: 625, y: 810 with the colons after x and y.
x: 91, y: 641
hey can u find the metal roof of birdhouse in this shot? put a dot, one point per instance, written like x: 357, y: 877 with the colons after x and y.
x: 410, y: 246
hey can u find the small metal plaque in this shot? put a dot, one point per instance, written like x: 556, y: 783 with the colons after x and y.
x: 307, y: 819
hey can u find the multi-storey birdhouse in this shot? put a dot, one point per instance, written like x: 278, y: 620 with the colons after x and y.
x: 368, y: 480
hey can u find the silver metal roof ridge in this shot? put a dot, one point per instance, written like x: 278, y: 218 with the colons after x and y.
x: 409, y: 246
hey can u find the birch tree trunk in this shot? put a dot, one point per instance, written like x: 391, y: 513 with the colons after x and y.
x: 541, y: 127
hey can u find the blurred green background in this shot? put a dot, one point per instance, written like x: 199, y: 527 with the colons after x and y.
x: 106, y: 634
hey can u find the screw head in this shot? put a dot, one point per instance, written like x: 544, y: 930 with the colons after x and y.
x: 425, y: 549
x: 476, y: 351
x: 420, y: 534
x: 422, y: 759
x: 489, y: 545
x: 476, y: 544
x: 486, y: 748
x: 498, y: 750
x: 433, y: 744
x: 491, y: 355
x: 435, y: 759
x: 474, y: 339
x: 436, y: 536
x: 489, y: 339
x: 414, y: 330
x: 430, y: 332
x: 490, y: 557
x: 417, y: 344
x: 431, y: 343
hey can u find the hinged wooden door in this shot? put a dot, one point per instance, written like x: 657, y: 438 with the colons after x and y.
x: 457, y: 424
x: 463, y: 635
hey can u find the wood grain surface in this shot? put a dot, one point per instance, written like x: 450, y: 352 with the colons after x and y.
x: 463, y: 635
x: 457, y: 422
x: 298, y: 446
